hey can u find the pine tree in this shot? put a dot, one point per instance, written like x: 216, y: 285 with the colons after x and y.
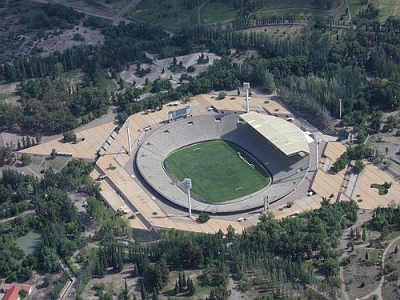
x: 358, y: 235
x: 192, y: 288
x: 176, y: 289
x: 396, y: 250
x: 53, y: 153
x: 125, y: 293
x: 351, y: 233
x: 366, y: 256
x: 188, y: 283
x: 135, y: 271
x: 364, y: 235
x: 184, y: 280
x: 143, y: 293
x: 155, y: 294
x: 28, y: 142
x: 180, y: 284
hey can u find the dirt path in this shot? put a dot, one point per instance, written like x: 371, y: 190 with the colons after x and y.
x: 128, y: 7
x: 348, y: 10
x: 367, y: 215
x: 234, y: 290
x: 378, y: 290
x: 199, y: 10
x: 25, y: 213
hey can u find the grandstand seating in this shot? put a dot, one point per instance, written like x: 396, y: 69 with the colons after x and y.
x: 287, y: 172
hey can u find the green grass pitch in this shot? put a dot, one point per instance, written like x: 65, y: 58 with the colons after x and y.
x: 218, y: 173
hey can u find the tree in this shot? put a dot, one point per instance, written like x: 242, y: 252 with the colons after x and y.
x: 180, y: 283
x: 376, y: 120
x: 192, y: 288
x: 221, y: 95
x: 364, y: 235
x: 6, y: 156
x: 184, y: 283
x: 176, y: 289
x: 359, y: 166
x: 215, y: 274
x: 48, y: 260
x: 69, y: 137
x: 156, y: 276
x: 143, y: 292
x: 125, y: 292
x: 218, y: 294
x: 269, y: 82
x: 366, y: 256
x: 25, y: 159
x: 358, y: 235
x: 231, y: 232
x: 204, y: 217
x: 53, y: 153
x: 22, y: 293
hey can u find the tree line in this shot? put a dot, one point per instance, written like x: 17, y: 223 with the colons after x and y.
x: 275, y: 250
x: 311, y: 72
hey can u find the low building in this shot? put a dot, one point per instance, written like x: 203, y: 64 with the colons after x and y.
x: 12, y: 290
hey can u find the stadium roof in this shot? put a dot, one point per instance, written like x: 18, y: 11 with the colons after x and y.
x: 286, y: 136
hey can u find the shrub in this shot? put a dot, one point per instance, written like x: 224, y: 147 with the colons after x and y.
x: 204, y: 217
x: 78, y: 37
x: 221, y: 95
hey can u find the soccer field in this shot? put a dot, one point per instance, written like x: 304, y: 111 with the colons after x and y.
x: 217, y: 171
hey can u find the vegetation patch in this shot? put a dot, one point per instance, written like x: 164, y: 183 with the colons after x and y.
x: 383, y: 189
x: 218, y: 172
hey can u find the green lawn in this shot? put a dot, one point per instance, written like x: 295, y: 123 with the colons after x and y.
x: 216, y: 12
x: 201, y: 291
x: 167, y: 14
x: 218, y: 173
x: 172, y: 14
x: 386, y: 7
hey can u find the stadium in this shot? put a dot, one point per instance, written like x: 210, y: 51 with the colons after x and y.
x: 274, y: 144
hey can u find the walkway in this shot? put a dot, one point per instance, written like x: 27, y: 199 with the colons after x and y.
x: 25, y: 213
x: 378, y: 290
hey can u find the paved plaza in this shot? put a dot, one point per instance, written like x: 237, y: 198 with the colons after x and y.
x: 123, y: 191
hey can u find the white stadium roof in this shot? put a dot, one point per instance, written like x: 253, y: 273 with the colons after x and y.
x: 286, y: 136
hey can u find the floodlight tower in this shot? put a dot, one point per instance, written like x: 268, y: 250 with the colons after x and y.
x: 128, y: 126
x: 246, y: 86
x: 187, y: 183
x: 340, y: 109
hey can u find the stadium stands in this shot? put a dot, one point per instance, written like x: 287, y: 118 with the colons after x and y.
x: 287, y: 172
